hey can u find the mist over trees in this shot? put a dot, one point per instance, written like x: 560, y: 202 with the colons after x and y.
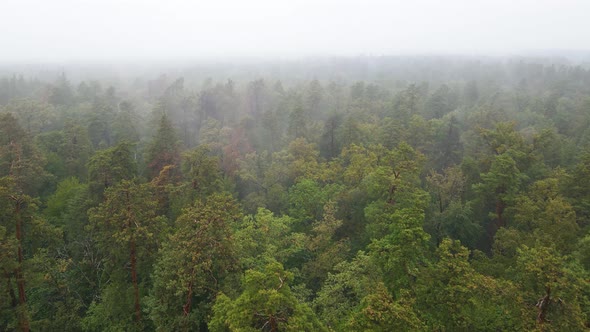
x: 326, y: 194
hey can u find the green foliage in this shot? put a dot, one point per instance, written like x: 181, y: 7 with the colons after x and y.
x: 307, y: 199
x: 541, y: 271
x: 201, y: 169
x: 402, y: 249
x: 266, y: 236
x: 19, y: 158
x: 113, y: 311
x: 266, y: 303
x: 128, y: 231
x: 452, y: 296
x: 324, y: 248
x: 164, y: 148
x: 125, y: 124
x: 109, y: 166
x: 194, y: 264
x: 344, y: 290
x: 57, y: 204
x: 24, y: 234
x: 378, y: 311
x: 462, y: 187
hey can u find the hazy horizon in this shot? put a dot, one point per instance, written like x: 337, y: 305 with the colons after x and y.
x: 69, y: 30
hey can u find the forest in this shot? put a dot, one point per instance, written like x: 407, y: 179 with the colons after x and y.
x: 368, y: 193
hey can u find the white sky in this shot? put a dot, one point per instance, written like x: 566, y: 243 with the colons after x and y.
x: 62, y: 30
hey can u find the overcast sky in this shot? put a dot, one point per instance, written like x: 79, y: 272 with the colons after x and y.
x: 63, y: 30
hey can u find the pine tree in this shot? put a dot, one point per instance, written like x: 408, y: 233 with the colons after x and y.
x: 164, y: 148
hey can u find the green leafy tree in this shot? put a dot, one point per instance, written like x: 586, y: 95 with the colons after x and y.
x: 125, y: 125
x: 501, y: 185
x: 344, y: 289
x: 325, y: 248
x: 577, y: 188
x: 559, y: 290
x: 61, y: 91
x: 76, y: 150
x: 378, y: 311
x: 128, y: 231
x: 164, y: 149
x: 452, y: 296
x: 542, y: 214
x: 109, y: 166
x: 266, y: 303
x: 194, y: 263
x: 23, y: 233
x: 402, y: 249
x: 449, y: 216
x: 19, y: 158
x: 307, y: 199
x: 298, y: 122
x: 329, y: 145
x: 267, y: 235
x: 201, y: 169
x: 33, y: 115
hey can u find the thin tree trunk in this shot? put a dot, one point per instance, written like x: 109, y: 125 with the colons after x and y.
x: 186, y: 308
x: 134, y: 280
x: 273, y: 324
x: 133, y: 258
x: 543, y: 305
x: 20, y: 278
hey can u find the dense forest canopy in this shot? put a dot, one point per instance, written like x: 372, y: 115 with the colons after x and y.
x: 326, y: 194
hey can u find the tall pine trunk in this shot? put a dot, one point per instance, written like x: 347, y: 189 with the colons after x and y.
x: 134, y: 280
x: 23, y: 322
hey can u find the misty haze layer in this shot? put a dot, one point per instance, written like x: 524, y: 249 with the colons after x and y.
x: 66, y: 30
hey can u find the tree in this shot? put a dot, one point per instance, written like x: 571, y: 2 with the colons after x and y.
x: 12, y: 313
x: 14, y: 217
x: 194, y: 263
x: 577, y: 187
x: 61, y: 91
x: 452, y: 296
x: 471, y: 93
x: 267, y: 235
x: 99, y: 125
x: 22, y: 232
x: 201, y: 169
x: 109, y: 166
x: 298, y: 122
x: 449, y: 216
x: 307, y: 200
x: 344, y: 289
x: 330, y: 145
x: 543, y: 214
x: 559, y: 290
x: 77, y: 149
x: 402, y: 249
x: 325, y: 248
x: 256, y: 97
x: 314, y: 96
x: 33, y: 115
x: 501, y: 183
x: 19, y: 159
x: 128, y: 231
x: 125, y: 125
x: 378, y: 311
x: 447, y: 148
x: 441, y: 102
x: 266, y: 303
x: 164, y: 148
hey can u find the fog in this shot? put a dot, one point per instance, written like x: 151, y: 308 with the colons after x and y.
x: 83, y: 30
